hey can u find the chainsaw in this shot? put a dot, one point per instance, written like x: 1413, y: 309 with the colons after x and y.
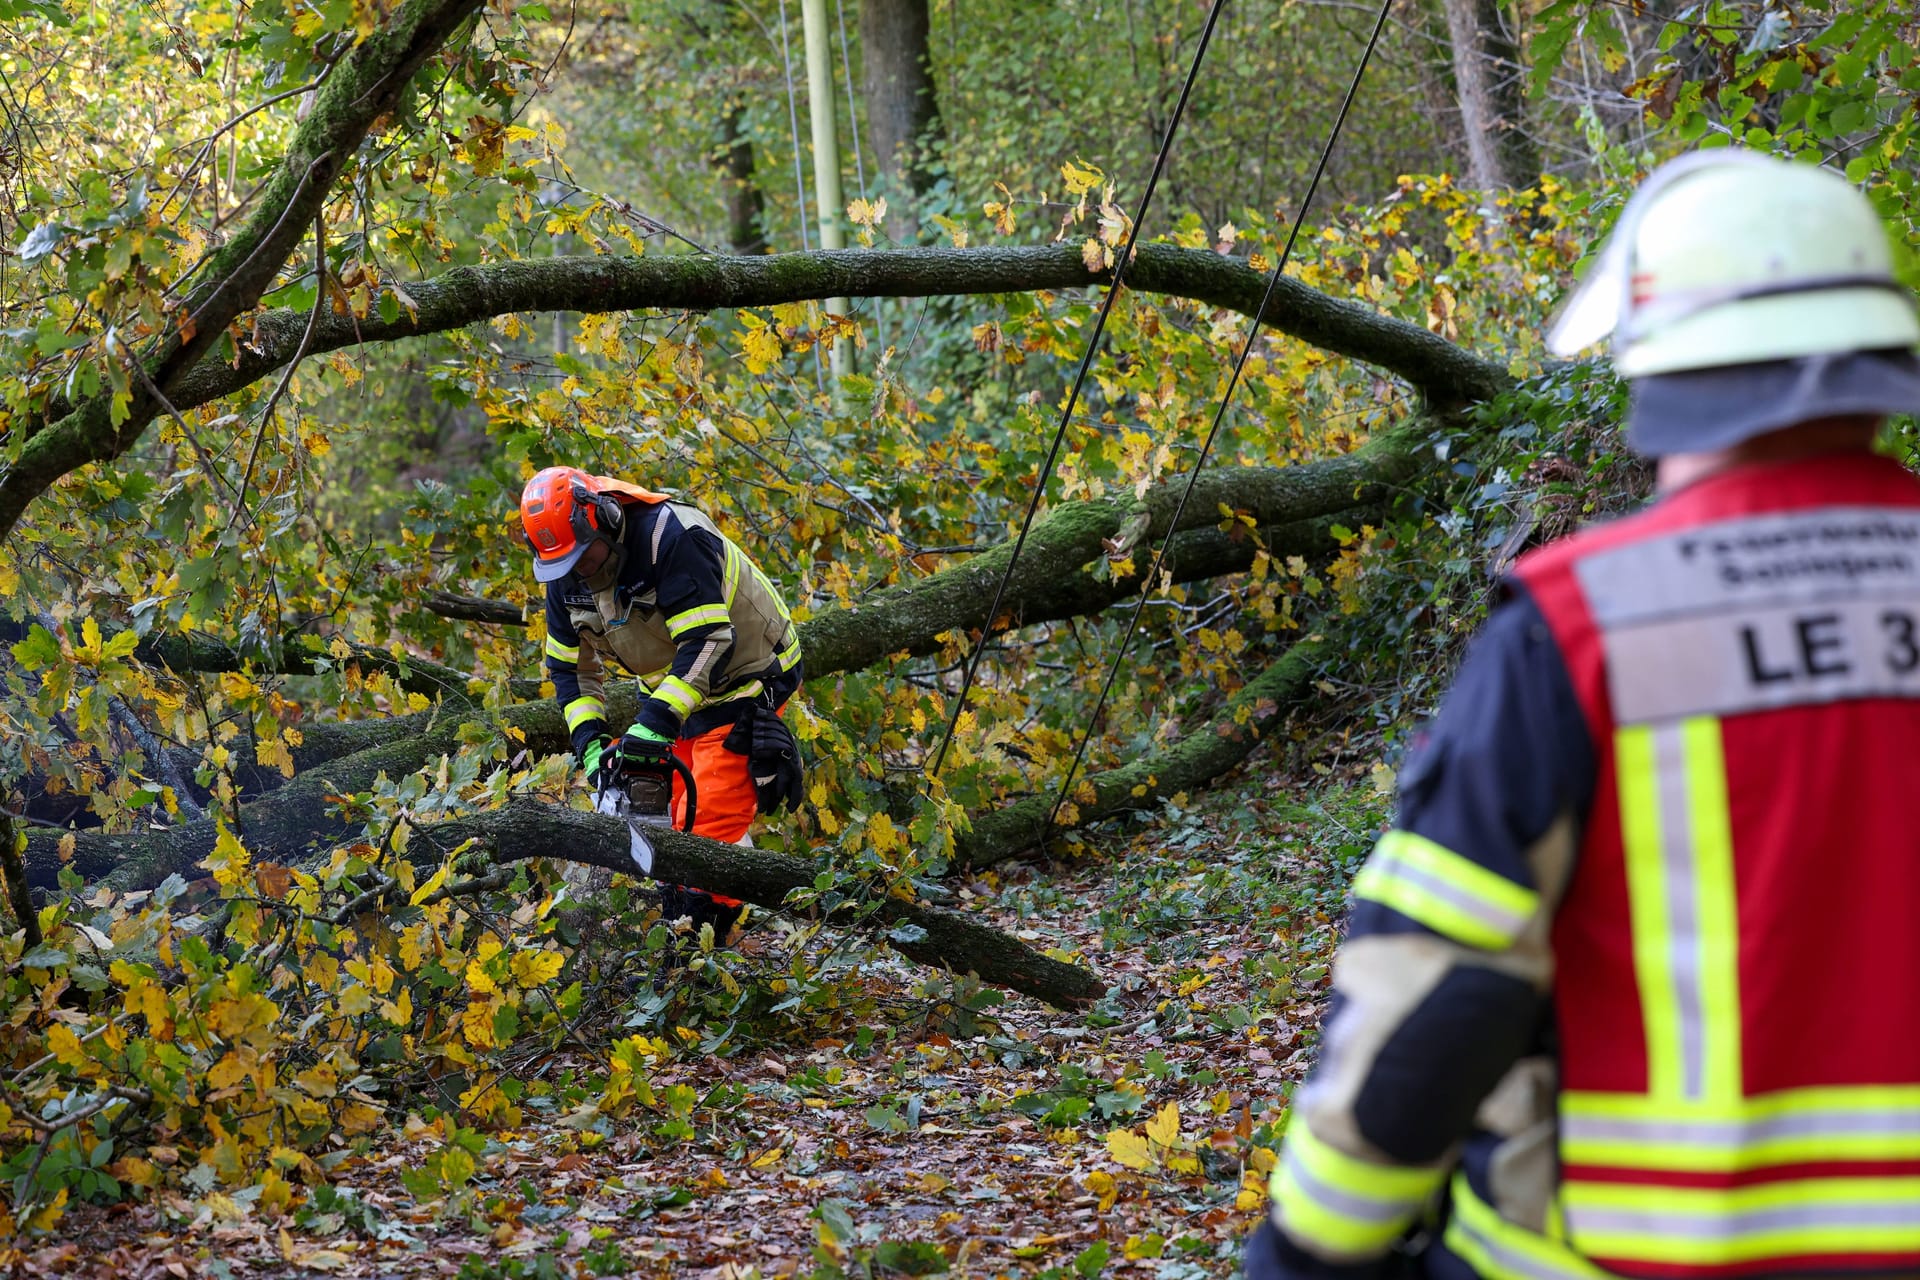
x: 641, y: 795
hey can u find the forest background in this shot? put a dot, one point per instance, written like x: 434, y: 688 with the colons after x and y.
x: 313, y: 960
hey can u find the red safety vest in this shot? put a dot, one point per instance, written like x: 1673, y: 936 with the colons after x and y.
x: 1738, y: 984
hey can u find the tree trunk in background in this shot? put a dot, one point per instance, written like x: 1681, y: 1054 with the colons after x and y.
x: 903, y: 116
x: 1479, y: 116
x: 1507, y: 89
x: 746, y: 205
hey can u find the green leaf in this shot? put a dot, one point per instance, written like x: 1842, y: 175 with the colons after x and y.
x: 836, y: 1222
x: 910, y: 1257
x: 1092, y: 1260
x: 38, y: 651
x: 1557, y: 23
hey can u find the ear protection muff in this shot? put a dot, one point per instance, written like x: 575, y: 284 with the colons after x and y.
x: 595, y: 514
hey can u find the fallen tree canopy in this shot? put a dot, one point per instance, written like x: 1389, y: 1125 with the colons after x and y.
x: 371, y: 82
x: 1053, y: 581
x: 528, y: 829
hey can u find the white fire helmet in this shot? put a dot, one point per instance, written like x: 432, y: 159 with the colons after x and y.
x: 1730, y: 257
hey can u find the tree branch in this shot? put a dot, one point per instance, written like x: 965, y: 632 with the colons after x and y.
x: 1448, y: 375
x: 527, y: 829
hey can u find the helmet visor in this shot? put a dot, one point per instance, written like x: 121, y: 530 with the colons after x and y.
x: 559, y: 566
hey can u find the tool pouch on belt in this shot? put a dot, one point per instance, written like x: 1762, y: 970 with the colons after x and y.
x: 773, y: 758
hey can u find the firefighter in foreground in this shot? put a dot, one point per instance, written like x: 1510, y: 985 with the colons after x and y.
x: 653, y: 585
x: 1633, y: 985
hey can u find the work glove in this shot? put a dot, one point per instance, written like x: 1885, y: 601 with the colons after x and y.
x: 773, y: 758
x: 601, y: 763
x: 641, y: 747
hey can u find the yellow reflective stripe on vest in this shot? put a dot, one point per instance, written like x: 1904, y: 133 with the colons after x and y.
x: 562, y: 652
x: 1720, y: 1225
x: 581, y: 710
x: 1333, y: 1201
x: 705, y: 615
x: 1451, y: 895
x: 1680, y: 890
x: 1502, y: 1250
x: 731, y: 571
x: 678, y: 694
x: 1632, y: 1131
x: 789, y: 655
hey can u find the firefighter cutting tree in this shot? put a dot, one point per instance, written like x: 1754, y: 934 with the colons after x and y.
x: 1633, y: 985
x: 650, y: 585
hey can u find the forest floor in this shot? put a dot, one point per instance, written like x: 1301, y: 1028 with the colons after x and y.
x: 1132, y: 1140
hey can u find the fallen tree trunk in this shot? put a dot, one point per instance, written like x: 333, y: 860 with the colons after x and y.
x: 285, y: 824
x: 476, y: 609
x: 1144, y: 783
x: 1050, y: 581
x: 528, y: 829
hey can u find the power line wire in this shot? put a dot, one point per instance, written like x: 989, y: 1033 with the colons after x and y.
x: 1219, y: 416
x: 793, y: 124
x: 1079, y: 380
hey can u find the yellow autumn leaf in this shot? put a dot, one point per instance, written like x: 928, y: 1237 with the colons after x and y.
x: 761, y: 349
x: 531, y: 968
x: 456, y: 1165
x: 228, y: 1072
x: 1164, y: 1128
x: 421, y: 894
x: 229, y: 860
x: 477, y: 976
x: 1129, y: 1149
x: 65, y: 1046
x: 477, y: 1022
x: 1101, y: 1183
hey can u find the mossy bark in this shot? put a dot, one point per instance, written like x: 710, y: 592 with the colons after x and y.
x: 294, y: 820
x: 412, y: 674
x: 1052, y: 579
x: 528, y: 829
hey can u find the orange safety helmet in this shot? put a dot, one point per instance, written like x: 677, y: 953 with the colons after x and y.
x: 563, y: 511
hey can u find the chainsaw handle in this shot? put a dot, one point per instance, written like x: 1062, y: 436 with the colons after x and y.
x: 693, y: 792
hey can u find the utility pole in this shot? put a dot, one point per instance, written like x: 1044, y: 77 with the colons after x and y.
x: 826, y: 155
